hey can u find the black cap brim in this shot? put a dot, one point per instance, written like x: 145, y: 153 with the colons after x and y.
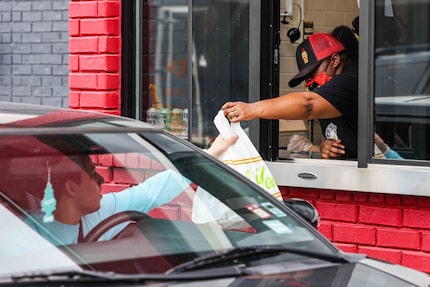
x: 301, y: 76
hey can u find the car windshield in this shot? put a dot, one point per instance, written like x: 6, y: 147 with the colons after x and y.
x: 171, y: 203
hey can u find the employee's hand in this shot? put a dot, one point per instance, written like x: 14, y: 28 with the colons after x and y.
x: 331, y: 148
x: 238, y: 111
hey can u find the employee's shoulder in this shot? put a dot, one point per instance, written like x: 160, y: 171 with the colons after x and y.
x: 345, y: 78
x: 351, y: 68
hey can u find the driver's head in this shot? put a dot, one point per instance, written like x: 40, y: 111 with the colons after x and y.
x: 315, y: 57
x: 77, y: 187
x: 72, y: 168
x: 87, y: 167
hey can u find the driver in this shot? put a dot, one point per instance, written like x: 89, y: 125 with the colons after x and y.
x: 80, y: 206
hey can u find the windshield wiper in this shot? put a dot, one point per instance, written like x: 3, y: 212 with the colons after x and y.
x: 258, y: 251
x: 61, y: 276
x: 94, y: 276
x: 184, y: 271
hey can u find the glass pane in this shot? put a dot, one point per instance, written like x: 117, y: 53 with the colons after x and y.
x: 165, y: 64
x: 402, y: 78
x: 134, y: 203
x: 220, y: 56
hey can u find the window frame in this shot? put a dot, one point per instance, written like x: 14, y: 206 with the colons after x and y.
x: 366, y: 174
x: 264, y: 66
x: 366, y: 74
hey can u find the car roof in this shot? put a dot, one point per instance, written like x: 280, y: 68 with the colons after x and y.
x: 18, y: 118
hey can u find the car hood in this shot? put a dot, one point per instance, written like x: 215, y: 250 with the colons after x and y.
x: 309, y: 273
x: 411, y: 275
x: 364, y: 273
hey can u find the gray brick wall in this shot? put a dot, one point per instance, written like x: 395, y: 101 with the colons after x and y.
x: 34, y: 52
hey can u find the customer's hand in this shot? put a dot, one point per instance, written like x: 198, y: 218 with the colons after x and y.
x: 220, y: 145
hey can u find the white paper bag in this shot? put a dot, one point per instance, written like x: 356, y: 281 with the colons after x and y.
x: 208, y: 209
x: 244, y: 157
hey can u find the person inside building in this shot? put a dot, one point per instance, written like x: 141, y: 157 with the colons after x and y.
x: 334, y: 148
x: 330, y: 74
x: 74, y: 186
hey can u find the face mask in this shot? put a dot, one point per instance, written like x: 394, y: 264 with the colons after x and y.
x: 318, y: 81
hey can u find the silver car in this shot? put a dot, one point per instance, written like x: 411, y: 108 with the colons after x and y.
x: 89, y: 198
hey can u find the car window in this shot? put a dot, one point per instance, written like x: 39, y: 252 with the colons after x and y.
x: 169, y: 200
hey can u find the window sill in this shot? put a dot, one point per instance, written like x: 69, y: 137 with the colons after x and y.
x: 345, y: 175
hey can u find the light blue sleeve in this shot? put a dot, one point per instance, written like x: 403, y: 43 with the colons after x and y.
x: 389, y: 153
x: 155, y: 191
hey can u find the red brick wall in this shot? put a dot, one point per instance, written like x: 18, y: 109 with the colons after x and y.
x: 395, y: 228
x: 125, y: 170
x: 95, y: 55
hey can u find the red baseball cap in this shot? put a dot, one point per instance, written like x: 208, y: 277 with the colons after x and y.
x: 311, y: 52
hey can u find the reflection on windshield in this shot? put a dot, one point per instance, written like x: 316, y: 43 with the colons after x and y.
x: 179, y: 204
x: 16, y: 248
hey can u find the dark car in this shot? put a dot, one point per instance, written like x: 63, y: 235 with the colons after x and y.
x: 402, y: 99
x: 158, y: 211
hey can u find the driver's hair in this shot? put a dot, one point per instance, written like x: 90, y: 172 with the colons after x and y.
x: 67, y: 168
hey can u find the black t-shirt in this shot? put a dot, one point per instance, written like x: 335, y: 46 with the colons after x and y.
x: 342, y: 92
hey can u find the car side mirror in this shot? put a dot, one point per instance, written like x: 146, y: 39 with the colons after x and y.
x: 305, y: 209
